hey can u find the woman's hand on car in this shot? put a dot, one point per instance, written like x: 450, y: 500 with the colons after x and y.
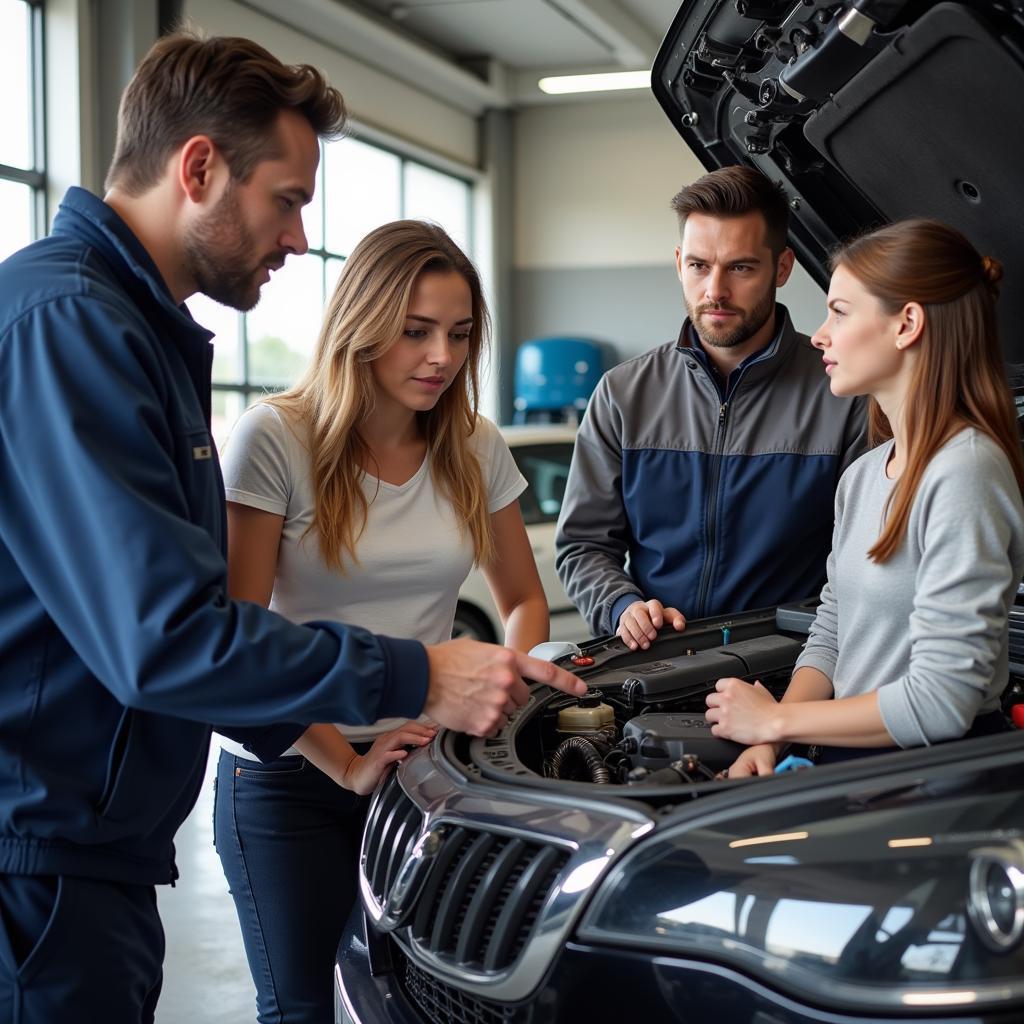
x: 365, y: 770
x: 639, y: 623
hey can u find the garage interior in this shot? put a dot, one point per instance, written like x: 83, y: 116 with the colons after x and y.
x: 567, y: 218
x: 561, y: 199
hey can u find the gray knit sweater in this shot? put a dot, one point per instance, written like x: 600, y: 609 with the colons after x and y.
x: 928, y: 628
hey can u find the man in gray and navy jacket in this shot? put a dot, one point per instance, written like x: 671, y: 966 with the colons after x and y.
x: 704, y: 472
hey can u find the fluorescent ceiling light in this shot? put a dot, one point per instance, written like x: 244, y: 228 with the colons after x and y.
x: 595, y: 83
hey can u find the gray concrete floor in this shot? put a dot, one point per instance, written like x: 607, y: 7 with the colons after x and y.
x: 206, y: 977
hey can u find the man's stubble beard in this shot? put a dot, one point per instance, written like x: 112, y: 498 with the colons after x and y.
x: 219, y: 252
x: 749, y: 324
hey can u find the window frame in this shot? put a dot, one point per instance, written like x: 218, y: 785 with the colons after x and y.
x: 35, y: 177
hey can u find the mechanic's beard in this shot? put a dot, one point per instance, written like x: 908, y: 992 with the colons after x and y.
x: 749, y: 323
x: 218, y: 255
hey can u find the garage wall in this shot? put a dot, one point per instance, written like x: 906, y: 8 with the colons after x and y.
x: 374, y: 98
x: 594, y: 234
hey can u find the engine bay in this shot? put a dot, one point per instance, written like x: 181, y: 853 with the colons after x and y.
x: 649, y: 727
x: 642, y: 719
x: 641, y: 723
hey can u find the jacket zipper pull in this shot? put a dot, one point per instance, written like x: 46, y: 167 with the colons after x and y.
x: 721, y: 412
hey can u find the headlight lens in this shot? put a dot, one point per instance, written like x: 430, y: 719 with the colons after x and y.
x: 915, y: 904
x: 996, y: 905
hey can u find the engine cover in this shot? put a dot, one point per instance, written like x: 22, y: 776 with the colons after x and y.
x: 656, y: 740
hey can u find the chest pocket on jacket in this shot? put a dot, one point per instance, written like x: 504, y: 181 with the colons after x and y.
x: 199, y: 471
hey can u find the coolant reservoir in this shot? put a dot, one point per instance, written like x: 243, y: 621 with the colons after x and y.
x: 588, y: 714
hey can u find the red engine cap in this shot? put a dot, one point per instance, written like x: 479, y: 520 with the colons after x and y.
x: 583, y: 660
x: 1017, y: 715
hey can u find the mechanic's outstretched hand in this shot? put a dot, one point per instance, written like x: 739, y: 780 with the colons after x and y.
x: 741, y: 712
x: 640, y: 622
x: 474, y: 686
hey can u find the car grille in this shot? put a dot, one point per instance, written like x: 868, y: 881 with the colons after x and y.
x: 392, y: 827
x: 440, y: 1003
x: 480, y: 898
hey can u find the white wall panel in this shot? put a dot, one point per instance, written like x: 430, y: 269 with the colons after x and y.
x: 594, y: 181
x: 373, y: 97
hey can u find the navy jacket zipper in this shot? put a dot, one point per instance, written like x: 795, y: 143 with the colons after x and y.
x: 711, y: 509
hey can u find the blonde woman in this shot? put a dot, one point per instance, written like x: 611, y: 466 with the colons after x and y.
x: 365, y: 493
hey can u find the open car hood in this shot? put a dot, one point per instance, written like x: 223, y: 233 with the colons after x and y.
x: 867, y: 111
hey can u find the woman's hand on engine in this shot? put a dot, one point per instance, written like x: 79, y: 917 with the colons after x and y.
x: 742, y: 712
x: 756, y: 760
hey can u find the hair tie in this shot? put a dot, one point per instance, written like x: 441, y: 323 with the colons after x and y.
x: 991, y: 272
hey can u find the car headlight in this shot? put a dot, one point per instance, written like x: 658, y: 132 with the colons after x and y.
x: 917, y: 904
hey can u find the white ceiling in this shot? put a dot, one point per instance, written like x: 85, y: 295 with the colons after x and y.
x: 477, y: 54
x: 544, y: 34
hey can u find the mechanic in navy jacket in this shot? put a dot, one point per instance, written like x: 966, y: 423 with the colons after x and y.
x: 118, y: 643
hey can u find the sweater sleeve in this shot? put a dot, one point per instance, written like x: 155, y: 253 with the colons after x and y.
x: 967, y: 517
x: 592, y: 538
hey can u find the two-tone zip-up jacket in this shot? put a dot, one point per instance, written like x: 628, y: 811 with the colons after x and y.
x: 118, y: 642
x: 710, y: 501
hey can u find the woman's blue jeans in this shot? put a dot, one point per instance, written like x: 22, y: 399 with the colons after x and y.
x: 288, y: 838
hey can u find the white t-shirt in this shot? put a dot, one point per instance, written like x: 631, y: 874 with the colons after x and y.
x: 413, y: 558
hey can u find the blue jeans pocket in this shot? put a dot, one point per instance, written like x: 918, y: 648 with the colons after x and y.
x: 283, y: 767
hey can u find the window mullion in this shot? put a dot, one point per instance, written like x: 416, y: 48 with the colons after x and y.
x: 39, y: 163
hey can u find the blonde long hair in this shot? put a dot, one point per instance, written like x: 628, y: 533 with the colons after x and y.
x: 959, y: 379
x: 364, y: 318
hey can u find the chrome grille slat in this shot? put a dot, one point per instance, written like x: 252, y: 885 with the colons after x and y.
x: 442, y: 938
x: 423, y: 920
x: 516, y: 913
x: 392, y: 827
x: 407, y: 827
x: 487, y: 901
x: 380, y: 846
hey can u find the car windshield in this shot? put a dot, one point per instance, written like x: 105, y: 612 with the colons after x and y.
x: 546, y: 468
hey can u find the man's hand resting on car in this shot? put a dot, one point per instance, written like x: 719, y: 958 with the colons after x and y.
x: 474, y: 686
x: 640, y: 622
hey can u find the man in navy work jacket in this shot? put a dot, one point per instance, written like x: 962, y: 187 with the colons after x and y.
x: 118, y: 643
x: 704, y: 471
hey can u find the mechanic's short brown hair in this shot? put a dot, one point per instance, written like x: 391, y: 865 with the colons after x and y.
x: 733, y: 192
x: 226, y: 87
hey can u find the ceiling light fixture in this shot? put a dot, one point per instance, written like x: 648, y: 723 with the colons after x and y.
x: 560, y: 84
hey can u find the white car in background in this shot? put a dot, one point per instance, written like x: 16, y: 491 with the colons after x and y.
x: 543, y: 454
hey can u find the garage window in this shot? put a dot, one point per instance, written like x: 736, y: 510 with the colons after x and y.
x: 22, y: 157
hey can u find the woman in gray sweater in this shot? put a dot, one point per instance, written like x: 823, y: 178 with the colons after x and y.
x: 909, y: 646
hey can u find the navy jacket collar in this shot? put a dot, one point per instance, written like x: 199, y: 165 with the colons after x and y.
x: 84, y: 216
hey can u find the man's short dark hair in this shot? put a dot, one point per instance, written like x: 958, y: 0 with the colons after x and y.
x: 226, y: 87
x: 733, y: 192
